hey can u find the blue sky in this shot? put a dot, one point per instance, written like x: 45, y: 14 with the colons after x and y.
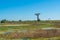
x: 25, y: 9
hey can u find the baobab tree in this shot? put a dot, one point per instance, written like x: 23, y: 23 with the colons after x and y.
x: 37, y: 14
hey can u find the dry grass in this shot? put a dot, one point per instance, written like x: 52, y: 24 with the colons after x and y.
x: 36, y: 33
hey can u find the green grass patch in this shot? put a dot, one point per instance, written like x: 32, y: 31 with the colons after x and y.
x: 26, y: 27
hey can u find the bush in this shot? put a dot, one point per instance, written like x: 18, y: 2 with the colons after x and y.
x: 3, y: 21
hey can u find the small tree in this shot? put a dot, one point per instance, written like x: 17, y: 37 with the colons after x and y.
x: 3, y: 21
x: 20, y: 20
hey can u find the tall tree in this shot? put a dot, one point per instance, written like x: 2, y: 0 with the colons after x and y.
x: 37, y: 14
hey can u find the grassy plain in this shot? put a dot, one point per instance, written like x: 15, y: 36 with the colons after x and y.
x: 26, y: 26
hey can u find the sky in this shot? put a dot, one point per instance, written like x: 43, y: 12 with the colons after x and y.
x: 26, y: 9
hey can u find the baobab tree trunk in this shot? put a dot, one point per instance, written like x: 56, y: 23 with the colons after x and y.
x: 38, y: 16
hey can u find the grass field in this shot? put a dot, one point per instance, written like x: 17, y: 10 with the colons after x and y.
x: 28, y: 26
x: 53, y: 38
x: 24, y: 26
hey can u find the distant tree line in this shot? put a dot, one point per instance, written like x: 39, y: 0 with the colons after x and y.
x: 30, y: 21
x: 19, y: 21
x: 7, y: 21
